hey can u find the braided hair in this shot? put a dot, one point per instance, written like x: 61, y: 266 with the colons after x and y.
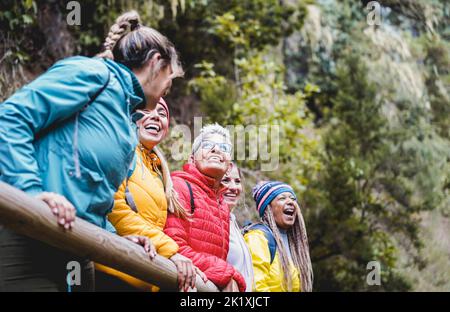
x: 132, y: 44
x: 298, y: 246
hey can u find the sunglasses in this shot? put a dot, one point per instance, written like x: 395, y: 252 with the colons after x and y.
x: 223, y: 147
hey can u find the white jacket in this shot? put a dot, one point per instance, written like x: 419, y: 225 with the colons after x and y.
x: 239, y: 256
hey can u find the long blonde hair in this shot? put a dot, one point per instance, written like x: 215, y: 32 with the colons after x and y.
x: 173, y: 203
x: 132, y: 44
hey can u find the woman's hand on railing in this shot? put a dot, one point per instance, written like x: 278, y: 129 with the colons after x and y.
x: 144, y: 242
x: 61, y: 207
x: 201, y: 274
x: 186, y: 272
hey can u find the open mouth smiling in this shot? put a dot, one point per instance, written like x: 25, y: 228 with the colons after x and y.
x: 152, y: 127
x: 230, y: 195
x: 289, y: 210
x: 215, y: 158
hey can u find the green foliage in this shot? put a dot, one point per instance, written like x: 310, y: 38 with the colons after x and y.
x: 257, y: 23
x: 350, y: 227
x: 263, y: 101
x: 16, y: 22
x: 217, y: 94
x: 16, y: 17
x: 385, y: 133
x: 98, y: 16
x: 437, y: 59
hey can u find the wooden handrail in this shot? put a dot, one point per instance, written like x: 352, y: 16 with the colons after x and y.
x: 31, y: 217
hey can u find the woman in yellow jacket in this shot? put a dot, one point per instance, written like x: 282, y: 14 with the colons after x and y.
x: 279, y: 244
x: 142, y: 202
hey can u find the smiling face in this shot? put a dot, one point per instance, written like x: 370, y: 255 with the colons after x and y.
x: 284, y: 210
x: 153, y: 127
x: 232, y: 181
x: 212, y: 162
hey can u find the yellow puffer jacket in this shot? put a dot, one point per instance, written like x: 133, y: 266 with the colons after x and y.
x: 268, y: 277
x: 147, y: 189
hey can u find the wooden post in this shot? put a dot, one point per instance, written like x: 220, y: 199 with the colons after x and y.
x: 33, y: 218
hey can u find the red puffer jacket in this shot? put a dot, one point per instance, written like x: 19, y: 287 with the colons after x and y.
x: 205, y: 239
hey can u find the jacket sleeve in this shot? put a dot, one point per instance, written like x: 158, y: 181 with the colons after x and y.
x: 259, y: 249
x: 54, y: 96
x: 128, y: 222
x: 216, y: 269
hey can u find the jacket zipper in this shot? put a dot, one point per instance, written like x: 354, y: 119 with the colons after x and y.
x: 221, y: 223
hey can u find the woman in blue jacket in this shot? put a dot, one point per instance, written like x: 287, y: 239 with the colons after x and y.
x: 68, y: 139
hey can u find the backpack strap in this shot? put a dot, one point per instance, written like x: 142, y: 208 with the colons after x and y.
x: 56, y: 125
x: 191, y: 195
x: 268, y: 234
x: 128, y: 196
x: 99, y: 91
x: 247, y: 223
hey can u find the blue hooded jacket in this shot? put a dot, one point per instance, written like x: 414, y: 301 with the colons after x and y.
x: 50, y: 141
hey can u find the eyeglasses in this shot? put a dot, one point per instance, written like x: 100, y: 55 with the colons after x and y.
x: 223, y: 147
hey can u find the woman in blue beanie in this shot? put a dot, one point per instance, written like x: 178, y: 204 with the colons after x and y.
x: 279, y: 244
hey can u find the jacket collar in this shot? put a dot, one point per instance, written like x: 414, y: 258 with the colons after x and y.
x: 190, y: 173
x: 137, y: 88
x: 129, y: 83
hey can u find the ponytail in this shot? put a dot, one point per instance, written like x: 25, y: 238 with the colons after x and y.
x: 132, y: 44
x: 124, y: 24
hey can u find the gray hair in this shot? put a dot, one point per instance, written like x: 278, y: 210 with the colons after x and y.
x: 210, y: 130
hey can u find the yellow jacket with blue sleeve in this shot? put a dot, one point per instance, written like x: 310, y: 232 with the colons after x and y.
x: 147, y: 190
x: 268, y: 276
x: 148, y: 220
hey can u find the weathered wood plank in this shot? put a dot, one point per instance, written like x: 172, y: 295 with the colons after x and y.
x: 31, y: 217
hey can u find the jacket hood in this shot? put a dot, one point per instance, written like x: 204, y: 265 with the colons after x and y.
x: 126, y: 81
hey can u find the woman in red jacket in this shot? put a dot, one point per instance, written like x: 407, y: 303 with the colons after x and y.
x: 204, y: 237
